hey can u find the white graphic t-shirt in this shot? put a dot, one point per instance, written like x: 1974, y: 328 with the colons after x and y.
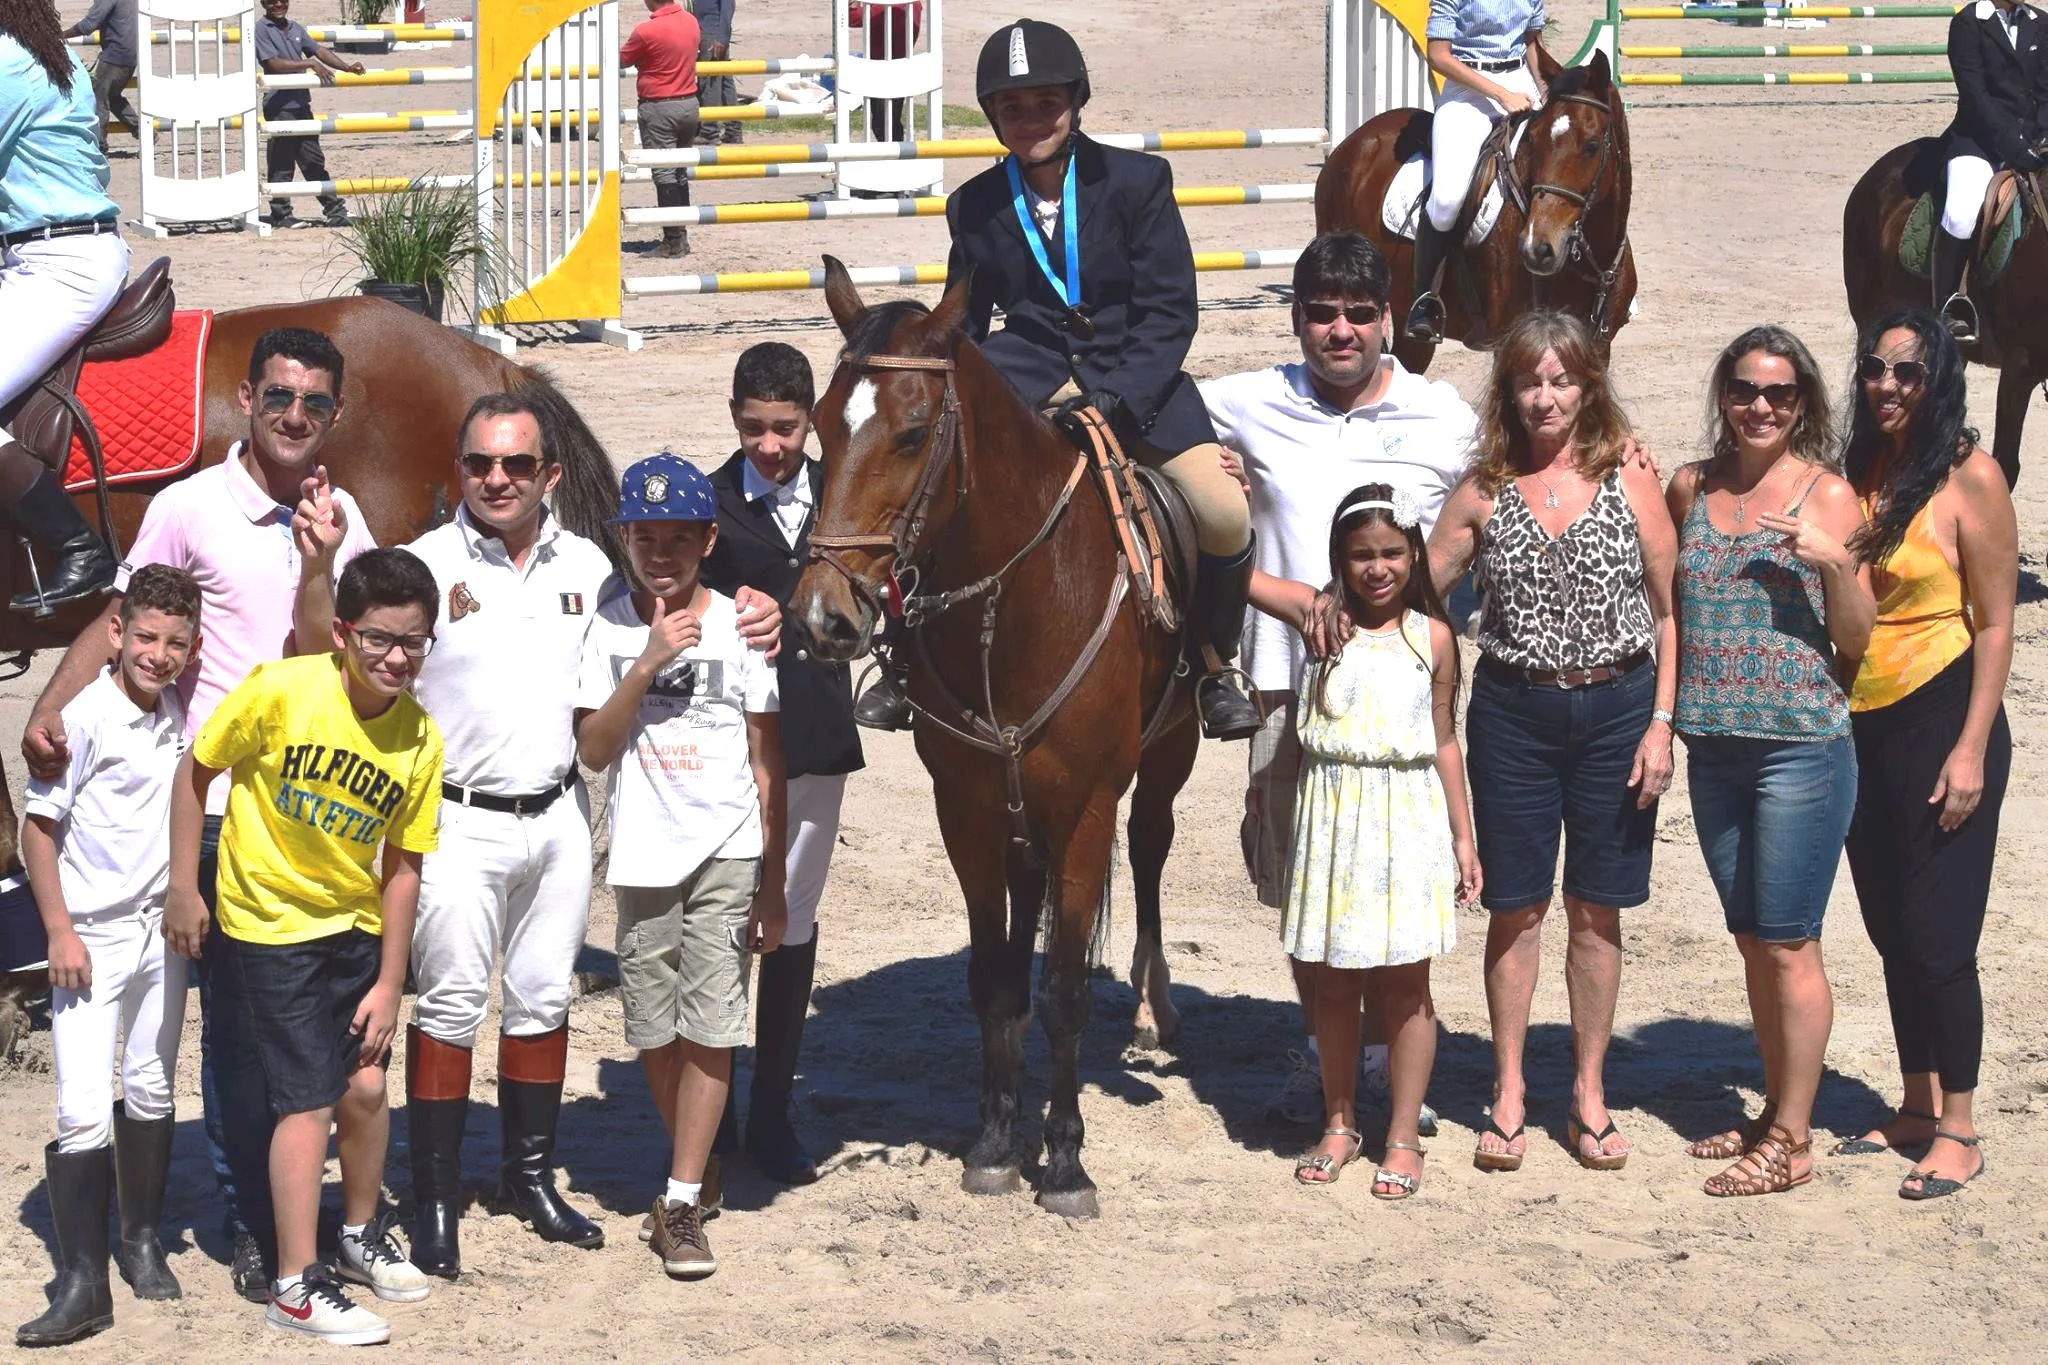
x: 683, y: 791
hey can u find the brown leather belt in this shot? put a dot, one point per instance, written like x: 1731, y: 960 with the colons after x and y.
x: 1565, y: 679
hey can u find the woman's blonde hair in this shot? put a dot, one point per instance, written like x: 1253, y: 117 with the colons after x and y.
x: 1601, y: 430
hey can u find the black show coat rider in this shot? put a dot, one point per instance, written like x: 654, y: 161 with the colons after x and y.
x: 1137, y: 287
x: 819, y: 738
x: 2000, y: 85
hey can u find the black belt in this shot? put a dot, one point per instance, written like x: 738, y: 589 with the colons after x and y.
x: 1565, y: 679
x: 508, y: 805
x: 92, y: 228
x: 1494, y: 68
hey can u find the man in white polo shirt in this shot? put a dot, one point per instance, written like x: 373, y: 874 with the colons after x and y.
x: 262, y: 597
x: 1306, y: 434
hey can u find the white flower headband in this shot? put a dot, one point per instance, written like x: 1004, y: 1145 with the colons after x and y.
x: 1407, y: 516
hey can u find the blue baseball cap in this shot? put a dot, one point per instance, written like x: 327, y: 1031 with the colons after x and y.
x: 665, y: 487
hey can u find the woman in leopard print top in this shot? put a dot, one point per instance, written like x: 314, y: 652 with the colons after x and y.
x: 1570, y: 720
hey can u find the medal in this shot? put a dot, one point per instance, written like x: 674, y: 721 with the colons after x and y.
x: 1075, y: 323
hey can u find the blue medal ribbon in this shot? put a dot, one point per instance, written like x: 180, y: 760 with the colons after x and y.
x: 1069, y: 291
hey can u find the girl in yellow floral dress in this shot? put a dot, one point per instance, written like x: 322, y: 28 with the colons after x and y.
x: 1383, y: 851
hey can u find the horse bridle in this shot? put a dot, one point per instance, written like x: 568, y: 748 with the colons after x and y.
x: 1577, y: 248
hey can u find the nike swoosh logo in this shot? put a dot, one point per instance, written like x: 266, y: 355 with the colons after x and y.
x: 301, y: 1313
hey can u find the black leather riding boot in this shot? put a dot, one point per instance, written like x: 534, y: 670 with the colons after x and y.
x: 781, y: 1007
x: 45, y: 516
x: 885, y: 705
x: 436, y: 1108
x: 529, y: 1106
x: 1425, y: 321
x: 142, y: 1165
x: 1948, y: 258
x: 83, y: 1301
x: 1222, y: 594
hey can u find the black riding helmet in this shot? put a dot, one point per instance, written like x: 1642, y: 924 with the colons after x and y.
x: 1029, y: 53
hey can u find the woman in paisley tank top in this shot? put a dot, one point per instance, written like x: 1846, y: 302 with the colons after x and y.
x: 1927, y: 705
x: 1570, y: 720
x: 1769, y: 597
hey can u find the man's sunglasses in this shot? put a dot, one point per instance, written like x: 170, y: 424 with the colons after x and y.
x: 279, y: 399
x: 1910, y: 373
x: 1357, y: 314
x: 378, y: 643
x: 522, y: 466
x: 1743, y: 392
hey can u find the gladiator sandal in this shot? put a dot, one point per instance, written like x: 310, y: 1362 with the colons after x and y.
x: 1736, y: 1142
x: 1765, y: 1169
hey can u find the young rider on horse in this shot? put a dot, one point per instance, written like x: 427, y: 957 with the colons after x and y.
x: 1996, y: 50
x: 62, y: 264
x: 1487, y: 52
x: 1083, y: 249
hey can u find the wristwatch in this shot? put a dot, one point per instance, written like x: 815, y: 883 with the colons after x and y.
x: 1664, y: 716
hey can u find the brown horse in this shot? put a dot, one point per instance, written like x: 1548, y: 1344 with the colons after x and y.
x: 406, y: 384
x: 2012, y: 330
x: 938, y: 477
x: 1561, y: 240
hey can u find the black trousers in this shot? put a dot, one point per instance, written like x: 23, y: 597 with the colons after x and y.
x: 282, y: 156
x: 1923, y: 890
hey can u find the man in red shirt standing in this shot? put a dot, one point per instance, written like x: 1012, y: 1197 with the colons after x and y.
x: 664, y: 48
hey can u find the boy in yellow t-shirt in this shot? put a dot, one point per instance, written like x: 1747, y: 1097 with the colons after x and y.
x: 330, y: 757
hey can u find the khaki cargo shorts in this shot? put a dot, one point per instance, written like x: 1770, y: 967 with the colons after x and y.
x: 683, y: 962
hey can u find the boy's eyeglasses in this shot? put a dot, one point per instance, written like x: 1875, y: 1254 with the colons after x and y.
x: 1357, y: 314
x: 1743, y: 392
x: 1910, y: 373
x: 378, y: 643
x: 521, y: 467
x: 277, y: 399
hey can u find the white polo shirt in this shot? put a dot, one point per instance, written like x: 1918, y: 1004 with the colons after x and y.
x: 1303, y: 455
x: 501, y: 680
x: 226, y: 531
x: 112, y: 805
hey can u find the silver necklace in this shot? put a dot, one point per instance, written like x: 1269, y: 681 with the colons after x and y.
x: 1550, y: 493
x: 1742, y: 499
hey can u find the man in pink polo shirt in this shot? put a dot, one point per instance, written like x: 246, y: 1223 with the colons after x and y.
x: 230, y: 526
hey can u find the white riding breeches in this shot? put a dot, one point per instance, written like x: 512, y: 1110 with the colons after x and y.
x: 519, y: 884
x: 1458, y: 133
x: 1969, y: 180
x: 137, y: 989
x: 51, y: 293
x: 813, y: 823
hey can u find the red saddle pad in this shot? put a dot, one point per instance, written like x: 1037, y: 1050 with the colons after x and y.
x: 148, y: 409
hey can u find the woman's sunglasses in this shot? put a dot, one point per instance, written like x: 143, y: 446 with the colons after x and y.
x: 1742, y: 393
x: 1910, y: 374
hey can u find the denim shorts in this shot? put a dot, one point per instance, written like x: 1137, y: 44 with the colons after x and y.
x: 300, y: 1002
x: 1772, y: 815
x: 1543, y: 759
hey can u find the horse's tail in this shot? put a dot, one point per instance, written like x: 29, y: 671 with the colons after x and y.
x: 589, y: 491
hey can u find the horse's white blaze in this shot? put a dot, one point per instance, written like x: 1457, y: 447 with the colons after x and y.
x: 860, y: 406
x: 1560, y: 124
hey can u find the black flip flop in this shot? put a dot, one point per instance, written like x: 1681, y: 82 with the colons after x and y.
x: 1499, y: 1161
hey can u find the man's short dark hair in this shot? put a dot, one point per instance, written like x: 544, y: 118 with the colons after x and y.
x: 159, y: 587
x: 1344, y: 265
x: 312, y: 349
x: 774, y: 372
x: 386, y: 577
x: 502, y: 405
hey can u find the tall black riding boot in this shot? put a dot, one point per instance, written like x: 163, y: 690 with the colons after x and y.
x: 1948, y: 257
x: 1425, y: 320
x: 436, y: 1108
x: 45, y: 516
x: 782, y: 1005
x: 83, y: 1303
x: 675, y: 241
x: 142, y: 1165
x: 529, y: 1105
x: 885, y: 705
x: 1222, y: 588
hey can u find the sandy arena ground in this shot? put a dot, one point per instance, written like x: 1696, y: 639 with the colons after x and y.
x: 1207, y: 1250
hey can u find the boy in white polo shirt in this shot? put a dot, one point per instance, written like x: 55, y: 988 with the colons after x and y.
x: 682, y: 715
x: 97, y: 844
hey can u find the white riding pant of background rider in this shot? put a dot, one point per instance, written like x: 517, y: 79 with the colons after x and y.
x: 1463, y: 119
x: 51, y: 293
x: 813, y: 823
x: 138, y: 989
x: 1969, y: 180
x: 499, y: 881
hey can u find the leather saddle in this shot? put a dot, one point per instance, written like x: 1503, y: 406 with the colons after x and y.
x: 44, y: 418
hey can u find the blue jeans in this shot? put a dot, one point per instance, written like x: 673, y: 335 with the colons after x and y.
x: 1772, y: 815
x: 231, y: 1086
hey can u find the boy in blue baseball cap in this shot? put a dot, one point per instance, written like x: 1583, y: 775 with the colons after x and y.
x: 682, y: 717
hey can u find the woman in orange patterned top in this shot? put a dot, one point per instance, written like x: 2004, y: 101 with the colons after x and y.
x: 1932, y: 746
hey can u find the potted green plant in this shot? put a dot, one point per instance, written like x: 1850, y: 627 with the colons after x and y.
x: 412, y: 246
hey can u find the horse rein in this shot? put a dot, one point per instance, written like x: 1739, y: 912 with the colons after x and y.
x: 1577, y: 248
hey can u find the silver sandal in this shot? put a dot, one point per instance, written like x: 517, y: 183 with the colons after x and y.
x: 1327, y: 1167
x: 1407, y: 1184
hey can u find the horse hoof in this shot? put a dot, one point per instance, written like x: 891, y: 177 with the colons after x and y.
x: 1070, y: 1203
x: 991, y: 1180
x: 1145, y: 1038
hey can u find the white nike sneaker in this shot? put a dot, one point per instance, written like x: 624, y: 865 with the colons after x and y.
x: 374, y: 1260
x: 317, y: 1307
x: 1375, y: 1082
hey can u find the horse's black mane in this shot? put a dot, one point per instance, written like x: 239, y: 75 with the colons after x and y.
x: 1571, y: 81
x: 876, y: 324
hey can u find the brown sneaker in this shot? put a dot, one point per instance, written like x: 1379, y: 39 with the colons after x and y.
x: 708, y: 1203
x: 680, y: 1242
